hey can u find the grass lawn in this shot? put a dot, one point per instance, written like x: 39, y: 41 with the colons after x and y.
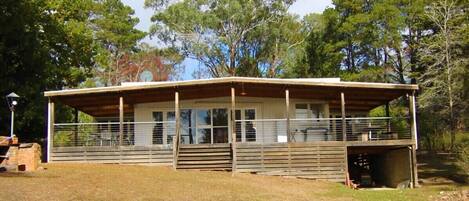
x: 126, y: 182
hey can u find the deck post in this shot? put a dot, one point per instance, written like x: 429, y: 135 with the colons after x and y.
x: 413, y: 123
x: 287, y: 113
x: 344, y: 123
x: 50, y: 128
x: 121, y: 120
x: 233, y: 129
x: 178, y: 137
x: 75, y: 132
x: 414, y: 166
x: 388, y: 115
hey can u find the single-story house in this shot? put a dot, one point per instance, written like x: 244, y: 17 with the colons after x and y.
x: 312, y: 128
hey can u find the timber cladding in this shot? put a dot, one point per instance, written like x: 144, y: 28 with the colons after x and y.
x: 158, y: 155
x: 321, y: 161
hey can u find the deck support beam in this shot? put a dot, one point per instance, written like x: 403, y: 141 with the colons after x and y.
x: 121, y: 120
x: 344, y: 124
x: 388, y: 114
x: 75, y: 131
x: 287, y: 114
x: 233, y: 129
x: 413, y: 117
x: 50, y: 128
x: 178, y: 137
x: 414, y: 166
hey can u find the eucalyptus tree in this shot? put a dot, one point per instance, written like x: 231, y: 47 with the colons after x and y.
x: 229, y: 37
x: 445, y: 58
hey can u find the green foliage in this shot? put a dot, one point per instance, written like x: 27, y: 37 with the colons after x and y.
x: 63, y: 138
x: 247, y: 38
x: 463, y: 156
x: 56, y: 44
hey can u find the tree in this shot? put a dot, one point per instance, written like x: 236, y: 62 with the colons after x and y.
x: 323, y: 51
x: 163, y: 64
x: 44, y: 45
x: 443, y: 79
x: 116, y: 36
x: 226, y: 35
x: 51, y: 45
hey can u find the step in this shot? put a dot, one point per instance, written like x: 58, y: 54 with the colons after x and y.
x: 206, y: 166
x: 202, y: 150
x: 204, y: 154
x: 215, y: 162
x: 206, y: 146
x: 202, y: 158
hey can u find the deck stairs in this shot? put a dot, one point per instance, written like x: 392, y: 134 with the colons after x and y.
x: 204, y: 157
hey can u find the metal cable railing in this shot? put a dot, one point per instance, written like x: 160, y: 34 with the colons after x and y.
x: 377, y: 128
x: 259, y: 131
x: 108, y: 133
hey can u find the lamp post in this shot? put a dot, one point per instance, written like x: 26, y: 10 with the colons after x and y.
x: 12, y: 102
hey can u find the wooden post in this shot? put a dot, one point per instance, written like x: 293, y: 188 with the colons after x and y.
x: 414, y: 166
x: 233, y: 129
x: 344, y: 136
x: 121, y: 120
x: 388, y: 115
x: 75, y: 119
x: 287, y: 113
x: 50, y: 128
x: 411, y: 167
x: 344, y: 123
x: 412, y: 116
x: 178, y: 137
x: 175, y: 161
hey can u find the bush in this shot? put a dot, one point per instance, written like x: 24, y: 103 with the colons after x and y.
x: 463, y: 157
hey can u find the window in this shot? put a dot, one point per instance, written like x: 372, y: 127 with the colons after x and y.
x: 245, y: 130
x: 306, y: 111
x: 157, y: 134
x: 220, y: 125
x: 204, y: 126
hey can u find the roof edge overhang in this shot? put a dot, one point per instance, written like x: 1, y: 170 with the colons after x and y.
x: 228, y: 80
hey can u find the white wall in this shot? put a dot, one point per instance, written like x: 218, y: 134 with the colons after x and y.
x: 266, y: 108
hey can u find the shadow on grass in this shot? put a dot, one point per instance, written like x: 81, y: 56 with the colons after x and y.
x: 440, y: 169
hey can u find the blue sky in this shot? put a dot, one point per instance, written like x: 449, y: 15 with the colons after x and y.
x: 300, y: 7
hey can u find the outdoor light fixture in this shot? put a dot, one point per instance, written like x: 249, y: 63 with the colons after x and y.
x: 12, y: 100
x: 243, y: 93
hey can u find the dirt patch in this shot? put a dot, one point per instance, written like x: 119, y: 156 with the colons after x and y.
x: 462, y: 195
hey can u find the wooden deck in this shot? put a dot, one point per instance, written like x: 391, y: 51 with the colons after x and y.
x: 315, y: 160
x: 381, y: 143
x: 321, y: 160
x: 157, y: 155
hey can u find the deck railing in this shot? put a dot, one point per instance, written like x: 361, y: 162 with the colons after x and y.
x: 259, y: 130
x: 323, y: 129
x: 108, y: 134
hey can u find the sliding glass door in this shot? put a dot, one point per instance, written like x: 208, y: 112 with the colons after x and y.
x: 245, y: 125
x: 212, y: 125
x: 198, y: 126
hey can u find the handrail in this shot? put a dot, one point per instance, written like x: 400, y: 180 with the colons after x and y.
x: 112, y: 123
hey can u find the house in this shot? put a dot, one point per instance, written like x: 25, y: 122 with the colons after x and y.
x: 311, y: 128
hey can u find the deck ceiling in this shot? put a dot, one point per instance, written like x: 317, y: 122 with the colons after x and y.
x: 105, y: 102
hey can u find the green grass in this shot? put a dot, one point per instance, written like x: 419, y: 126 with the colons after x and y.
x: 126, y: 182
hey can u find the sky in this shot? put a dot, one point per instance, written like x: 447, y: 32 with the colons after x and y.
x: 300, y: 7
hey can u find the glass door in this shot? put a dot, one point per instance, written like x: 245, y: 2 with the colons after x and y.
x: 220, y: 126
x: 204, y: 126
x: 212, y: 125
x: 245, y: 129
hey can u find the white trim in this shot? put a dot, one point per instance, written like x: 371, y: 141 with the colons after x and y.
x: 49, y: 129
x: 301, y: 82
x: 414, y: 119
